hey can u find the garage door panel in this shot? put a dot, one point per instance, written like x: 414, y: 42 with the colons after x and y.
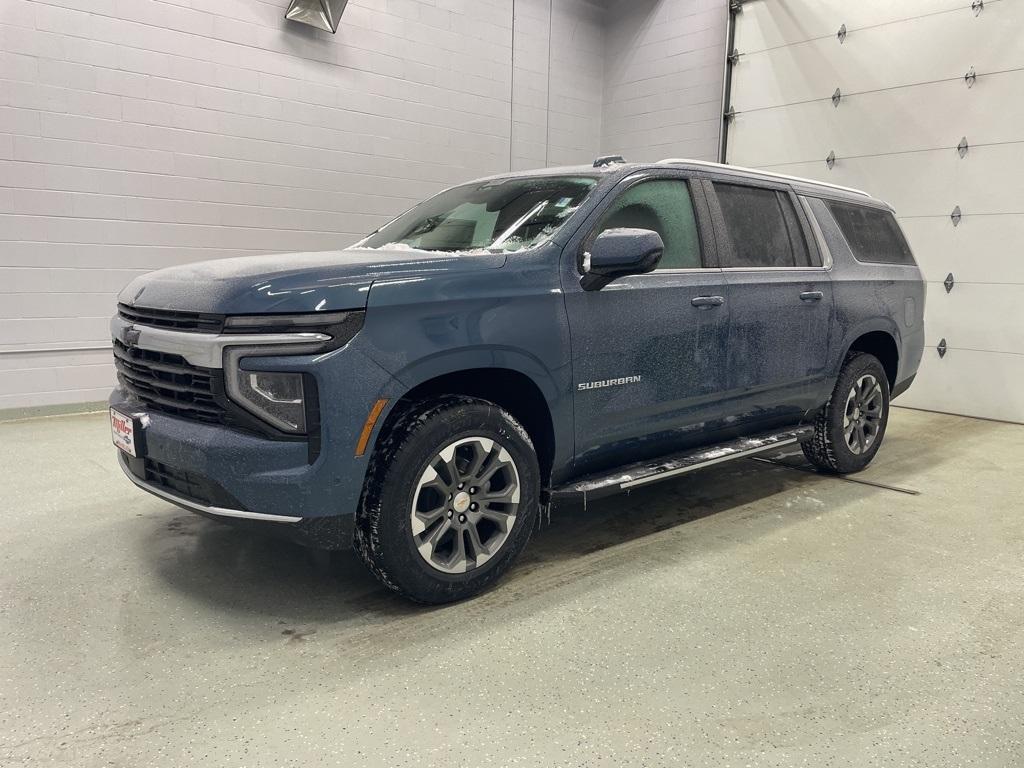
x: 770, y: 24
x: 980, y: 250
x: 927, y: 49
x: 931, y: 116
x: 931, y: 183
x: 979, y: 316
x: 985, y: 384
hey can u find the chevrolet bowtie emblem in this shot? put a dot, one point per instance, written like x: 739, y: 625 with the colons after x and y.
x: 130, y: 336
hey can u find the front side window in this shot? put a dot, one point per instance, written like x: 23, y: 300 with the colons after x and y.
x: 500, y: 215
x: 873, y: 234
x: 662, y: 205
x: 762, y: 227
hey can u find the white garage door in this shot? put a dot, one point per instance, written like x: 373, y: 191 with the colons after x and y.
x: 903, y: 106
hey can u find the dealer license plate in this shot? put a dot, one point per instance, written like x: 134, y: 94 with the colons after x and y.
x: 124, y: 430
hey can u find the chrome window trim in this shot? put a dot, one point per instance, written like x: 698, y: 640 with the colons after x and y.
x: 677, y: 271
x: 759, y: 172
x: 775, y: 269
x: 197, y: 507
x: 204, y: 350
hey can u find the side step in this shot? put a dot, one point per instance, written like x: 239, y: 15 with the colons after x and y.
x: 664, y: 467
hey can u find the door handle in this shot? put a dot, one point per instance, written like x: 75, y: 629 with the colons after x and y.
x: 812, y: 296
x: 707, y: 301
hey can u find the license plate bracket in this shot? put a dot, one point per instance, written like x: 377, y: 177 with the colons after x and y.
x: 128, y: 432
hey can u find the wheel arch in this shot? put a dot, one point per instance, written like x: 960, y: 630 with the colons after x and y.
x: 883, y: 345
x: 510, y: 388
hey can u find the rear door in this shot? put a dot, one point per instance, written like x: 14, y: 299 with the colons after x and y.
x: 780, y: 299
x: 648, y: 351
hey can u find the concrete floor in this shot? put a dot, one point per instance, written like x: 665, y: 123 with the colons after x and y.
x: 749, y: 615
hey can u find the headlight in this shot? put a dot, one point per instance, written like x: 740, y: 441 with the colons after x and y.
x: 278, y: 398
x: 283, y: 400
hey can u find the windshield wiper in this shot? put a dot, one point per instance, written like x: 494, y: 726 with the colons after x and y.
x: 518, y: 223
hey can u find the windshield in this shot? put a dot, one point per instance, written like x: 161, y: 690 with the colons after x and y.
x: 499, y: 215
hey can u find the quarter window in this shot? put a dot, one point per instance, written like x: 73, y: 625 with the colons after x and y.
x: 873, y: 234
x: 762, y: 228
x: 662, y: 205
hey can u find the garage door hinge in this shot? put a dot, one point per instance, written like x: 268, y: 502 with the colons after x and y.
x: 734, y: 57
x: 955, y: 216
x: 941, y: 348
x: 949, y: 282
x: 962, y: 147
x: 730, y: 113
x: 978, y: 6
x: 841, y: 34
x: 837, y: 97
x: 830, y: 160
x: 736, y: 6
x: 970, y: 77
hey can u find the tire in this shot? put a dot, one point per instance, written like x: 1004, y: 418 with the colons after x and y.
x: 859, y: 400
x: 415, y: 525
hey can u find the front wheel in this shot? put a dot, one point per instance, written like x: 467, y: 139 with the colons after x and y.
x: 850, y: 429
x: 452, y: 495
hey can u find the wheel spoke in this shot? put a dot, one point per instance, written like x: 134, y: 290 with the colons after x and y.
x: 481, y: 554
x: 498, y: 517
x: 458, y: 561
x: 429, y: 517
x: 861, y: 439
x: 508, y: 495
x: 481, y: 453
x: 430, y: 543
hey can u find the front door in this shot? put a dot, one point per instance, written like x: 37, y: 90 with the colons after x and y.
x: 780, y: 299
x: 648, y: 351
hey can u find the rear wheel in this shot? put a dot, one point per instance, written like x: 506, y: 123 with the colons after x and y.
x: 451, y: 498
x: 849, y: 431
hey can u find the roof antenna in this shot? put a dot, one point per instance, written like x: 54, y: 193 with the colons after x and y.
x: 608, y: 160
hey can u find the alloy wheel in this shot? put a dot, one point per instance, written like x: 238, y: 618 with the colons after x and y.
x: 465, y: 504
x: 862, y: 417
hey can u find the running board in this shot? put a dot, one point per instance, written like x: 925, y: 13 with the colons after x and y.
x: 645, y: 472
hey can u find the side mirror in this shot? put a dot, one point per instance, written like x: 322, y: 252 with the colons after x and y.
x: 620, y: 252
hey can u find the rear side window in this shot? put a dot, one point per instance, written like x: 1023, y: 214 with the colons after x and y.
x: 762, y: 227
x: 664, y: 206
x: 872, y: 234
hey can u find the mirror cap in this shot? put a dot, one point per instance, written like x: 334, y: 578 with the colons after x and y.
x: 620, y: 252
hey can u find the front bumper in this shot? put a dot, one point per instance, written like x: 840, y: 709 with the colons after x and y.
x: 334, y: 532
x: 245, y: 478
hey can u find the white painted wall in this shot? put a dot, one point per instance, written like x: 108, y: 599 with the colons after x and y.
x: 137, y: 134
x: 905, y: 106
x: 663, y: 78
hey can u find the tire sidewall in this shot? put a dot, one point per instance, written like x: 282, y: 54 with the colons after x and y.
x: 399, y: 478
x: 846, y: 460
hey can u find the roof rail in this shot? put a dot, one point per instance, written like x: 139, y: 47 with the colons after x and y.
x: 608, y: 160
x: 673, y: 160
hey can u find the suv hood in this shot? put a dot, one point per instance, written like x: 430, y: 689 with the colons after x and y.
x: 291, y: 282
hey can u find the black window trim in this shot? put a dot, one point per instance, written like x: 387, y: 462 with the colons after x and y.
x: 813, y: 251
x: 701, y: 214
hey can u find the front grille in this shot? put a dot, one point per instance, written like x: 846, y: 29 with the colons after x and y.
x: 198, y: 322
x: 178, y: 482
x: 168, y: 383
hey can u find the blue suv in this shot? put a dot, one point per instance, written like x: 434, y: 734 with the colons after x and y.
x: 567, y: 332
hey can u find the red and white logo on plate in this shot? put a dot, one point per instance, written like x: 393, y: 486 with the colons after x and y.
x: 122, y: 431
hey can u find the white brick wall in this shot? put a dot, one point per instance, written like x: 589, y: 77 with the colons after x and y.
x: 136, y: 134
x: 664, y: 66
